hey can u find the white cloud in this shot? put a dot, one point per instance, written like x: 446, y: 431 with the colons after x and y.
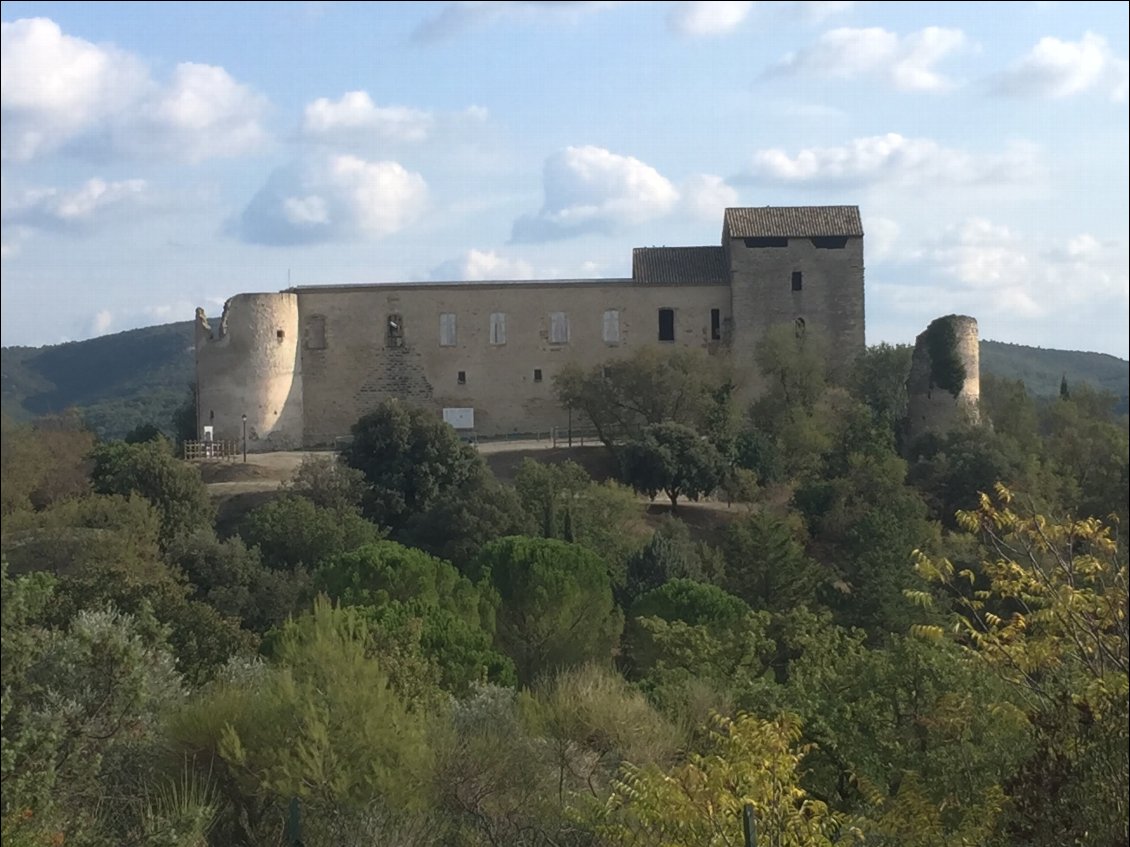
x: 905, y: 62
x: 882, y: 236
x: 589, y: 189
x: 76, y: 210
x: 1055, y: 68
x: 893, y: 158
x: 706, y: 196
x: 54, y: 86
x: 708, y: 18
x: 356, y: 112
x: 456, y: 18
x: 483, y: 265
x: 333, y: 198
x: 61, y: 92
x: 1030, y: 277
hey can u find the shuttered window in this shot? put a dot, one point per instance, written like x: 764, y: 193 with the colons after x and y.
x: 611, y: 332
x: 447, y: 329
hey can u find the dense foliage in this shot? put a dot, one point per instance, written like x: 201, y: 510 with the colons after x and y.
x: 862, y: 642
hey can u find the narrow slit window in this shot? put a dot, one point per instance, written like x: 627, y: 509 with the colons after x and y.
x: 611, y: 328
x: 447, y: 329
x: 666, y: 324
x: 798, y: 280
x: 498, y: 328
x: 461, y: 377
x: 715, y: 324
x: 395, y: 331
x: 537, y: 374
x: 558, y: 328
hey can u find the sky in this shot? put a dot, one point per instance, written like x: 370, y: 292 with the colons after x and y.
x: 162, y: 156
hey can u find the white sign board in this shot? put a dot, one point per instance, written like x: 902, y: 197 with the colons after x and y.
x: 460, y: 418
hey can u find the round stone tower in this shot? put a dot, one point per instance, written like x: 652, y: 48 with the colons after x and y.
x: 944, y: 386
x: 248, y: 373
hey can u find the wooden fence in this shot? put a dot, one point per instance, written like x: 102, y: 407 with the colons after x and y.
x: 215, y: 450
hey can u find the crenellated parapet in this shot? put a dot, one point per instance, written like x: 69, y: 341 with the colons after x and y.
x: 249, y: 374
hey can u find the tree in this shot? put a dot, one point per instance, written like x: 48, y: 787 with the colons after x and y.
x: 1045, y: 610
x: 292, y: 532
x: 553, y: 600
x: 320, y: 723
x: 699, y: 803
x: 150, y: 469
x: 622, y: 396
x: 328, y: 483
x: 674, y: 459
x: 43, y: 463
x: 409, y: 458
x: 766, y: 566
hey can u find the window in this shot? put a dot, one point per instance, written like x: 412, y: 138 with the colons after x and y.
x: 830, y: 242
x: 766, y: 242
x: 316, y: 332
x: 280, y: 334
x: 447, y: 329
x: 666, y: 324
x: 497, y: 327
x: 395, y: 331
x: 461, y: 377
x: 798, y: 280
x: 715, y: 324
x: 611, y: 329
x: 558, y: 328
x: 537, y: 374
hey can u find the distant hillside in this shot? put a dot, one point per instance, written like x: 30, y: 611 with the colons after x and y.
x: 1042, y: 370
x: 143, y: 375
x: 116, y: 381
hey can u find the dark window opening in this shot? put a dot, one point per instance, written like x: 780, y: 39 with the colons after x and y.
x: 715, y: 324
x: 279, y: 334
x: 766, y: 242
x: 666, y: 324
x: 395, y: 331
x: 462, y: 378
x: 798, y: 327
x: 537, y: 374
x: 798, y: 281
x: 606, y: 372
x: 830, y: 242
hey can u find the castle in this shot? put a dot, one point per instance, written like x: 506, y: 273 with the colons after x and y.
x: 297, y: 368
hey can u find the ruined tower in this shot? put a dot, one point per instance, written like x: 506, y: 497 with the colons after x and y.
x: 944, y: 386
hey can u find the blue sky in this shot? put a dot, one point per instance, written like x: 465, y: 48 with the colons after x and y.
x: 161, y: 156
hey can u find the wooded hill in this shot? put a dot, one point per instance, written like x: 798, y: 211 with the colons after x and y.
x: 120, y: 381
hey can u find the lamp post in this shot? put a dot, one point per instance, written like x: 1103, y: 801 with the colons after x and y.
x: 245, y: 439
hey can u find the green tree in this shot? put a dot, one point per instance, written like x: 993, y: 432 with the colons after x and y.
x: 767, y: 566
x: 150, y: 469
x: 622, y: 396
x: 291, y: 532
x: 328, y: 483
x: 554, y: 603
x: 43, y: 463
x: 320, y: 723
x: 674, y: 459
x: 409, y: 458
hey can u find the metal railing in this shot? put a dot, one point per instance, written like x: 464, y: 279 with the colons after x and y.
x: 212, y: 450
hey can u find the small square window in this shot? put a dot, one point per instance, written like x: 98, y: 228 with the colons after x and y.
x: 280, y: 334
x: 537, y: 374
x: 461, y: 378
x: 798, y: 280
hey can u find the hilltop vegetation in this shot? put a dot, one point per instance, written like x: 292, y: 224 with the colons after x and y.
x: 118, y: 382
x: 883, y: 643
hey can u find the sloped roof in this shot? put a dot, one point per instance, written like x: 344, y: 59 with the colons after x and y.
x: 680, y: 266
x: 793, y: 221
